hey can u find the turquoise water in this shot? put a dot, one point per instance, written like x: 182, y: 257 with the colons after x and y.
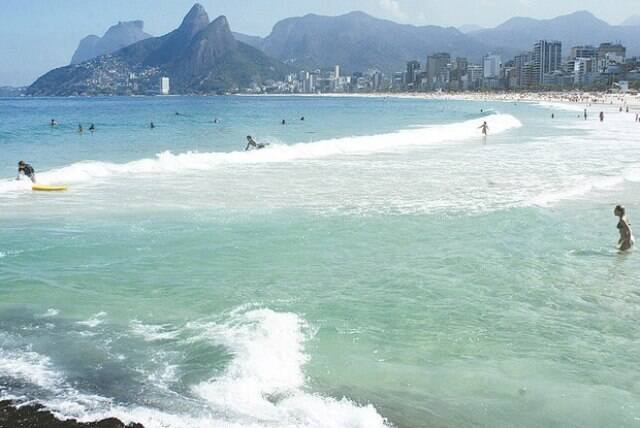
x: 380, y: 264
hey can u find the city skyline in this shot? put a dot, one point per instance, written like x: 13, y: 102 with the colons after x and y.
x: 31, y: 55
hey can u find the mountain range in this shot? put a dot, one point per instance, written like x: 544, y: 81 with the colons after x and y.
x: 199, y: 57
x: 579, y: 28
x: 202, y: 56
x: 632, y: 20
x: 117, y: 37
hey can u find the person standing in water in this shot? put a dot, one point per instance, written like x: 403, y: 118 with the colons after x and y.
x: 585, y: 114
x: 627, y: 239
x: 80, y: 129
x: 485, y: 128
x: 26, y: 170
x: 601, y: 116
x: 151, y: 125
x: 92, y: 128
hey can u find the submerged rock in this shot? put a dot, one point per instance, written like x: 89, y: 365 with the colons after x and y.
x: 36, y: 416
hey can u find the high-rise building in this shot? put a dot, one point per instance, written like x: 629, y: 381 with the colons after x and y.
x: 587, y: 51
x: 436, y: 64
x: 164, y: 86
x: 547, y: 58
x: 522, y: 66
x: 413, y: 67
x: 612, y: 52
x: 492, y: 64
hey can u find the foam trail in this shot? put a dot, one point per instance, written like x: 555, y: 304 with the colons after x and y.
x: 168, y: 162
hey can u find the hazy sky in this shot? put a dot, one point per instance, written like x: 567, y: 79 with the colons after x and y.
x: 37, y: 35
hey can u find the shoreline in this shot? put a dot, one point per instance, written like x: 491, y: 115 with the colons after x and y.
x: 571, y: 98
x: 13, y: 414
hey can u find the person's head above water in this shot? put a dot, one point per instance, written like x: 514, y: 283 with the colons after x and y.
x: 21, y: 163
x: 619, y: 211
x: 249, y: 137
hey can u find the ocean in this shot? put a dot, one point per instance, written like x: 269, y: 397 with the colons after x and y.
x: 379, y: 264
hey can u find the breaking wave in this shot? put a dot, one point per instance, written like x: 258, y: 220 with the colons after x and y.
x: 168, y: 162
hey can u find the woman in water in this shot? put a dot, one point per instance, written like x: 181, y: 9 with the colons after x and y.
x: 626, y: 235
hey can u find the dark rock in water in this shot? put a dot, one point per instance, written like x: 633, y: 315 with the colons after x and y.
x: 117, y: 37
x: 35, y: 416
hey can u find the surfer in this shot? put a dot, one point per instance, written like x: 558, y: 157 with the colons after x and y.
x: 485, y: 128
x: 252, y: 144
x: 26, y: 170
x: 626, y: 240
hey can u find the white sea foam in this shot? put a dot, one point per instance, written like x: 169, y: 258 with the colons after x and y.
x: 94, y: 321
x: 152, y: 333
x: 264, y: 382
x: 51, y: 312
x: 560, y: 106
x: 29, y: 367
x: 168, y: 162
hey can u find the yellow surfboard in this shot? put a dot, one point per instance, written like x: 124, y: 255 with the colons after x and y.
x: 45, y: 188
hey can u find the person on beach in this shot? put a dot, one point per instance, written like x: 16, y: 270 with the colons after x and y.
x: 627, y: 239
x: 601, y: 116
x: 24, y: 169
x: 253, y: 145
x: 485, y: 128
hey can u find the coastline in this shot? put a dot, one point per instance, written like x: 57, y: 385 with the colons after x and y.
x: 572, y: 98
x: 14, y: 415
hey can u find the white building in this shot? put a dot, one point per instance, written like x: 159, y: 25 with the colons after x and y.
x: 164, y: 86
x: 492, y: 64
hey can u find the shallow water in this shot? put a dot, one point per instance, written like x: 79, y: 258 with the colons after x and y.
x: 379, y: 264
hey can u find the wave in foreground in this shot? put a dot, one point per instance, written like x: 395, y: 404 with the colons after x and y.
x: 262, y: 386
x: 168, y: 162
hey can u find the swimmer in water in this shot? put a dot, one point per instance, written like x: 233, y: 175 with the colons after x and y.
x: 80, y: 129
x: 252, y: 144
x: 627, y: 239
x: 54, y: 123
x: 485, y: 129
x: 24, y: 169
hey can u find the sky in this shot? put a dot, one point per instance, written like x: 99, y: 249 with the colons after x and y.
x: 39, y: 35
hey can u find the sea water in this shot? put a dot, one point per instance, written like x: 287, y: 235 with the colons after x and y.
x: 379, y: 264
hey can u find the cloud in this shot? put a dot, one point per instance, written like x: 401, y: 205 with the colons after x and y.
x: 393, y: 8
